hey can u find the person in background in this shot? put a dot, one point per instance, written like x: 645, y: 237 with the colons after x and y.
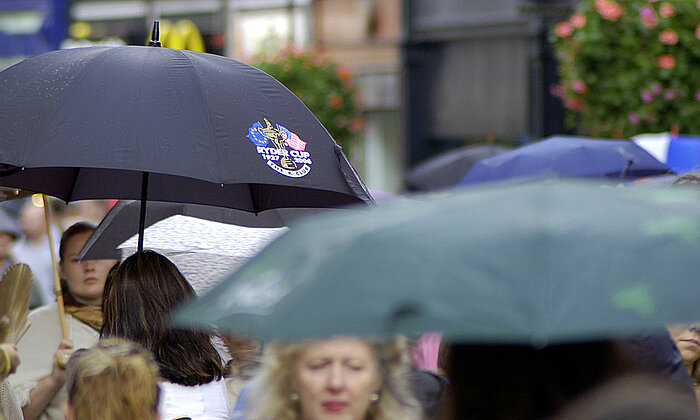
x: 246, y: 354
x: 521, y: 382
x: 33, y: 249
x: 39, y: 381
x: 687, y: 340
x: 9, y: 234
x: 631, y: 397
x: 114, y: 380
x: 138, y: 301
x: 336, y: 378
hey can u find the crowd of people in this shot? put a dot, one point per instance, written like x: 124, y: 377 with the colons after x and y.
x: 123, y: 360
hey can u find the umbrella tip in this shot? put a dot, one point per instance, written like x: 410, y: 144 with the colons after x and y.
x: 155, y: 35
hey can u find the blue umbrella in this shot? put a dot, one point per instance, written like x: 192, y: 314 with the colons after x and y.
x: 680, y: 153
x: 567, y: 157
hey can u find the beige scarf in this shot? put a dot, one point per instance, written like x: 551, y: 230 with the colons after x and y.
x: 90, y: 315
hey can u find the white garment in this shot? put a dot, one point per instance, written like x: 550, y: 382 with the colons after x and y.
x: 9, y: 406
x: 36, y: 353
x: 199, y: 402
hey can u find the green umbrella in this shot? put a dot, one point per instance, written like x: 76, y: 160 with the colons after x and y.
x: 540, y: 263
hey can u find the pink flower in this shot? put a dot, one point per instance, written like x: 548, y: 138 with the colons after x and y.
x: 646, y: 96
x: 633, y: 118
x: 674, y: 130
x: 573, y: 103
x: 647, y: 12
x: 611, y: 11
x: 666, y: 61
x: 668, y: 37
x: 578, y: 86
x: 697, y: 30
x: 667, y: 10
x: 563, y: 29
x: 656, y: 88
x: 670, y: 94
x: 648, y: 15
x: 578, y: 20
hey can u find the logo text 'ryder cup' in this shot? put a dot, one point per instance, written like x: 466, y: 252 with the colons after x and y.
x: 282, y: 150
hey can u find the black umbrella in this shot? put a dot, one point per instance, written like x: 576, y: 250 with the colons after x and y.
x: 446, y: 170
x: 165, y: 125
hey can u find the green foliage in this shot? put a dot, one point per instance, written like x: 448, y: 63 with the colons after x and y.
x: 323, y: 85
x: 630, y: 66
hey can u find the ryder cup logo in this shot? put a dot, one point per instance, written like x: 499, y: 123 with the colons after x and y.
x: 281, y: 149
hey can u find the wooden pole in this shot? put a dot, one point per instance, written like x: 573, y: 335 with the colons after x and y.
x: 54, y: 264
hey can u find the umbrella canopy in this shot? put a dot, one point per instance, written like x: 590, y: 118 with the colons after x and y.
x: 88, y: 123
x: 566, y: 157
x: 680, y: 153
x: 446, y: 170
x: 121, y: 222
x: 204, y: 251
x: 538, y: 263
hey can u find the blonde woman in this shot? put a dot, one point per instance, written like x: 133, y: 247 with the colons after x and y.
x: 336, y: 378
x: 116, y: 379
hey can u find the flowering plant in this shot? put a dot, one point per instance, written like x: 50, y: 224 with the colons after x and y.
x: 323, y: 85
x: 630, y: 66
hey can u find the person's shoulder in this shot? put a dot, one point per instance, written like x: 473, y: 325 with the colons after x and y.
x: 45, y: 311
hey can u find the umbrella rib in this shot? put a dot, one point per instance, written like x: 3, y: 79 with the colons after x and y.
x: 72, y: 185
x: 252, y: 199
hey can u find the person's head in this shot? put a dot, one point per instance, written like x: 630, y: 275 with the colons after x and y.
x: 337, y: 378
x: 687, y: 339
x: 9, y: 232
x: 6, y: 240
x: 524, y: 382
x: 633, y: 397
x: 32, y: 221
x: 114, y: 380
x: 84, y: 280
x: 138, y: 300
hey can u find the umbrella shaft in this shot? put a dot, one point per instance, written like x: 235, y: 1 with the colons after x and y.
x: 142, y: 210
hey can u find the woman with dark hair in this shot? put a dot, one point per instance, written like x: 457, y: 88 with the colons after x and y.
x: 39, y: 381
x: 138, y: 300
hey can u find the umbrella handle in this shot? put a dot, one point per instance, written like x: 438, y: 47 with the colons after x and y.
x: 56, y: 279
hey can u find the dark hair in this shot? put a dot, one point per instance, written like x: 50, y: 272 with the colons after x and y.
x: 74, y: 229
x: 523, y: 382
x: 138, y: 300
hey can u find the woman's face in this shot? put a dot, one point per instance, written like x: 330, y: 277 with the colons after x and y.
x: 335, y: 379
x: 687, y: 338
x: 86, y: 279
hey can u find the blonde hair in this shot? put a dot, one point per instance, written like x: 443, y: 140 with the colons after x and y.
x: 114, y: 380
x: 271, y: 389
